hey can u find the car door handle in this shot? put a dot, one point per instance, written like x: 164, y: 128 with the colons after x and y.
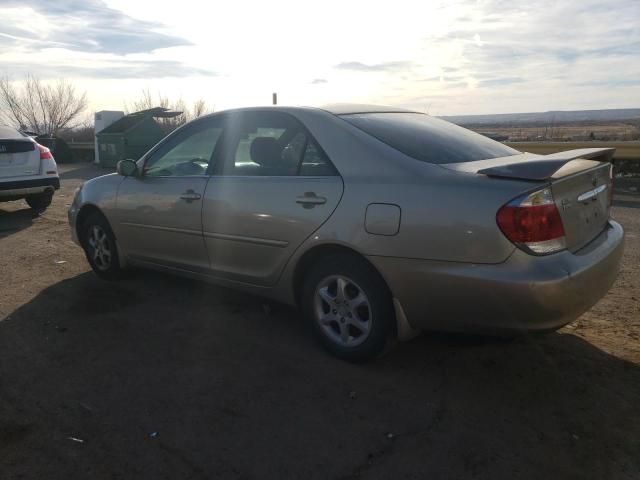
x: 190, y: 196
x: 310, y: 199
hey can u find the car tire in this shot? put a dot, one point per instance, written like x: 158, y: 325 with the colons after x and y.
x: 99, y: 244
x: 349, y: 307
x: 40, y: 201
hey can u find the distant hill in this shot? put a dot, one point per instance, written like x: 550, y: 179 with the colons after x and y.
x: 547, y: 118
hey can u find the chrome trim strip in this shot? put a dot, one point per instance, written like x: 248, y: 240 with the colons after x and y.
x: 256, y: 241
x: 164, y: 229
x: 592, y: 193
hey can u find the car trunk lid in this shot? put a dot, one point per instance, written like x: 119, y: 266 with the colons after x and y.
x: 580, y: 181
x: 583, y: 201
x: 18, y: 158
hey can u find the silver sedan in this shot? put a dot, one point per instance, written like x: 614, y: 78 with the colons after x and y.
x: 377, y: 222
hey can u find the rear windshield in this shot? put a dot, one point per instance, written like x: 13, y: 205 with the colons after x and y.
x: 8, y: 132
x: 427, y: 138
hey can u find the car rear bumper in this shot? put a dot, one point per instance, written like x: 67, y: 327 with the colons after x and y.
x: 22, y: 188
x: 523, y: 293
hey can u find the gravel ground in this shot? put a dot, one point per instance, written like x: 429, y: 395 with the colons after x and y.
x: 160, y: 377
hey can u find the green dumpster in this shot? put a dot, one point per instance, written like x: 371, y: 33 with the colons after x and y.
x: 131, y: 136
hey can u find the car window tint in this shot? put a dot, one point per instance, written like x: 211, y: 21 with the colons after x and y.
x: 186, y: 155
x: 427, y: 138
x: 270, y: 144
x: 243, y: 153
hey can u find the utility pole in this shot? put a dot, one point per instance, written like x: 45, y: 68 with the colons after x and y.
x: 274, y: 98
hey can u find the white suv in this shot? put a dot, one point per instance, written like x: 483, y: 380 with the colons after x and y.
x: 27, y: 170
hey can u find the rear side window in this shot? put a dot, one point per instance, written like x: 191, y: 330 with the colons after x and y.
x: 427, y: 138
x: 261, y: 143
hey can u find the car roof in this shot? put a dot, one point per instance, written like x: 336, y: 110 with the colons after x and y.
x: 333, y: 108
x: 351, y: 108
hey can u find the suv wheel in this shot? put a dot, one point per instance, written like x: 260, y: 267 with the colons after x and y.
x: 40, y: 201
x: 349, y: 307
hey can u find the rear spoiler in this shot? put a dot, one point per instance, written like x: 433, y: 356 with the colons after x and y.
x: 541, y: 167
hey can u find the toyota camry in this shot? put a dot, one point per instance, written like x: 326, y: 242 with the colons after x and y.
x: 376, y: 222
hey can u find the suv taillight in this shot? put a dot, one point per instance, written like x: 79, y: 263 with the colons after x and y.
x: 610, y: 187
x: 533, y: 223
x: 45, y: 153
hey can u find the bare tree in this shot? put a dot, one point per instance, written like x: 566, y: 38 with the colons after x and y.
x: 200, y: 108
x: 148, y: 101
x: 83, y: 131
x: 40, y: 108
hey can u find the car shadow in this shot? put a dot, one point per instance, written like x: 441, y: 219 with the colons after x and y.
x: 12, y: 221
x: 161, y: 377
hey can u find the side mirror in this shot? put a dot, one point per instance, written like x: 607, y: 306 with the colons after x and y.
x: 127, y: 168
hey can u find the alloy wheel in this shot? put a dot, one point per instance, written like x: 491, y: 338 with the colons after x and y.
x: 100, y: 247
x: 342, y: 311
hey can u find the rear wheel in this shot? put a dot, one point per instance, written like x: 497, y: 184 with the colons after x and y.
x: 349, y: 307
x: 99, y: 245
x: 40, y: 201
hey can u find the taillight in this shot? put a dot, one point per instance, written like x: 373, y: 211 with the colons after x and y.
x: 533, y: 223
x: 45, y: 153
x: 610, y: 186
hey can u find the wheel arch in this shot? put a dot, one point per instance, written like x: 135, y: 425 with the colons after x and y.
x: 403, y: 330
x: 314, y: 254
x: 84, y: 213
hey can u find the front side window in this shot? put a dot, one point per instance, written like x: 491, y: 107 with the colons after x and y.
x: 272, y: 144
x: 187, y: 153
x: 427, y: 138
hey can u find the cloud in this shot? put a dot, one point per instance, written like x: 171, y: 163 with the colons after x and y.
x: 613, y: 82
x: 377, y: 67
x: 121, y: 69
x: 81, y: 25
x: 465, y: 56
x: 495, y: 82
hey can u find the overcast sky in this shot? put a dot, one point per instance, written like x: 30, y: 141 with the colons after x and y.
x: 444, y: 57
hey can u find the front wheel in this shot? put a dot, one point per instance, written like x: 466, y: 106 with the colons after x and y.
x: 349, y: 307
x: 99, y: 245
x: 39, y: 202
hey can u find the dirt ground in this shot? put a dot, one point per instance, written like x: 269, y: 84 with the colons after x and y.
x: 163, y: 378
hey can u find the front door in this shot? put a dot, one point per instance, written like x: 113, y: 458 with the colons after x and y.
x: 159, y: 212
x: 274, y: 188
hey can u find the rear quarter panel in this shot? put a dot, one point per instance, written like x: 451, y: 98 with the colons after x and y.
x: 442, y: 218
x: 445, y: 215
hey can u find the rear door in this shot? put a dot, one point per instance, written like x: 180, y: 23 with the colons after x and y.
x: 159, y: 211
x: 19, y: 156
x: 274, y: 188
